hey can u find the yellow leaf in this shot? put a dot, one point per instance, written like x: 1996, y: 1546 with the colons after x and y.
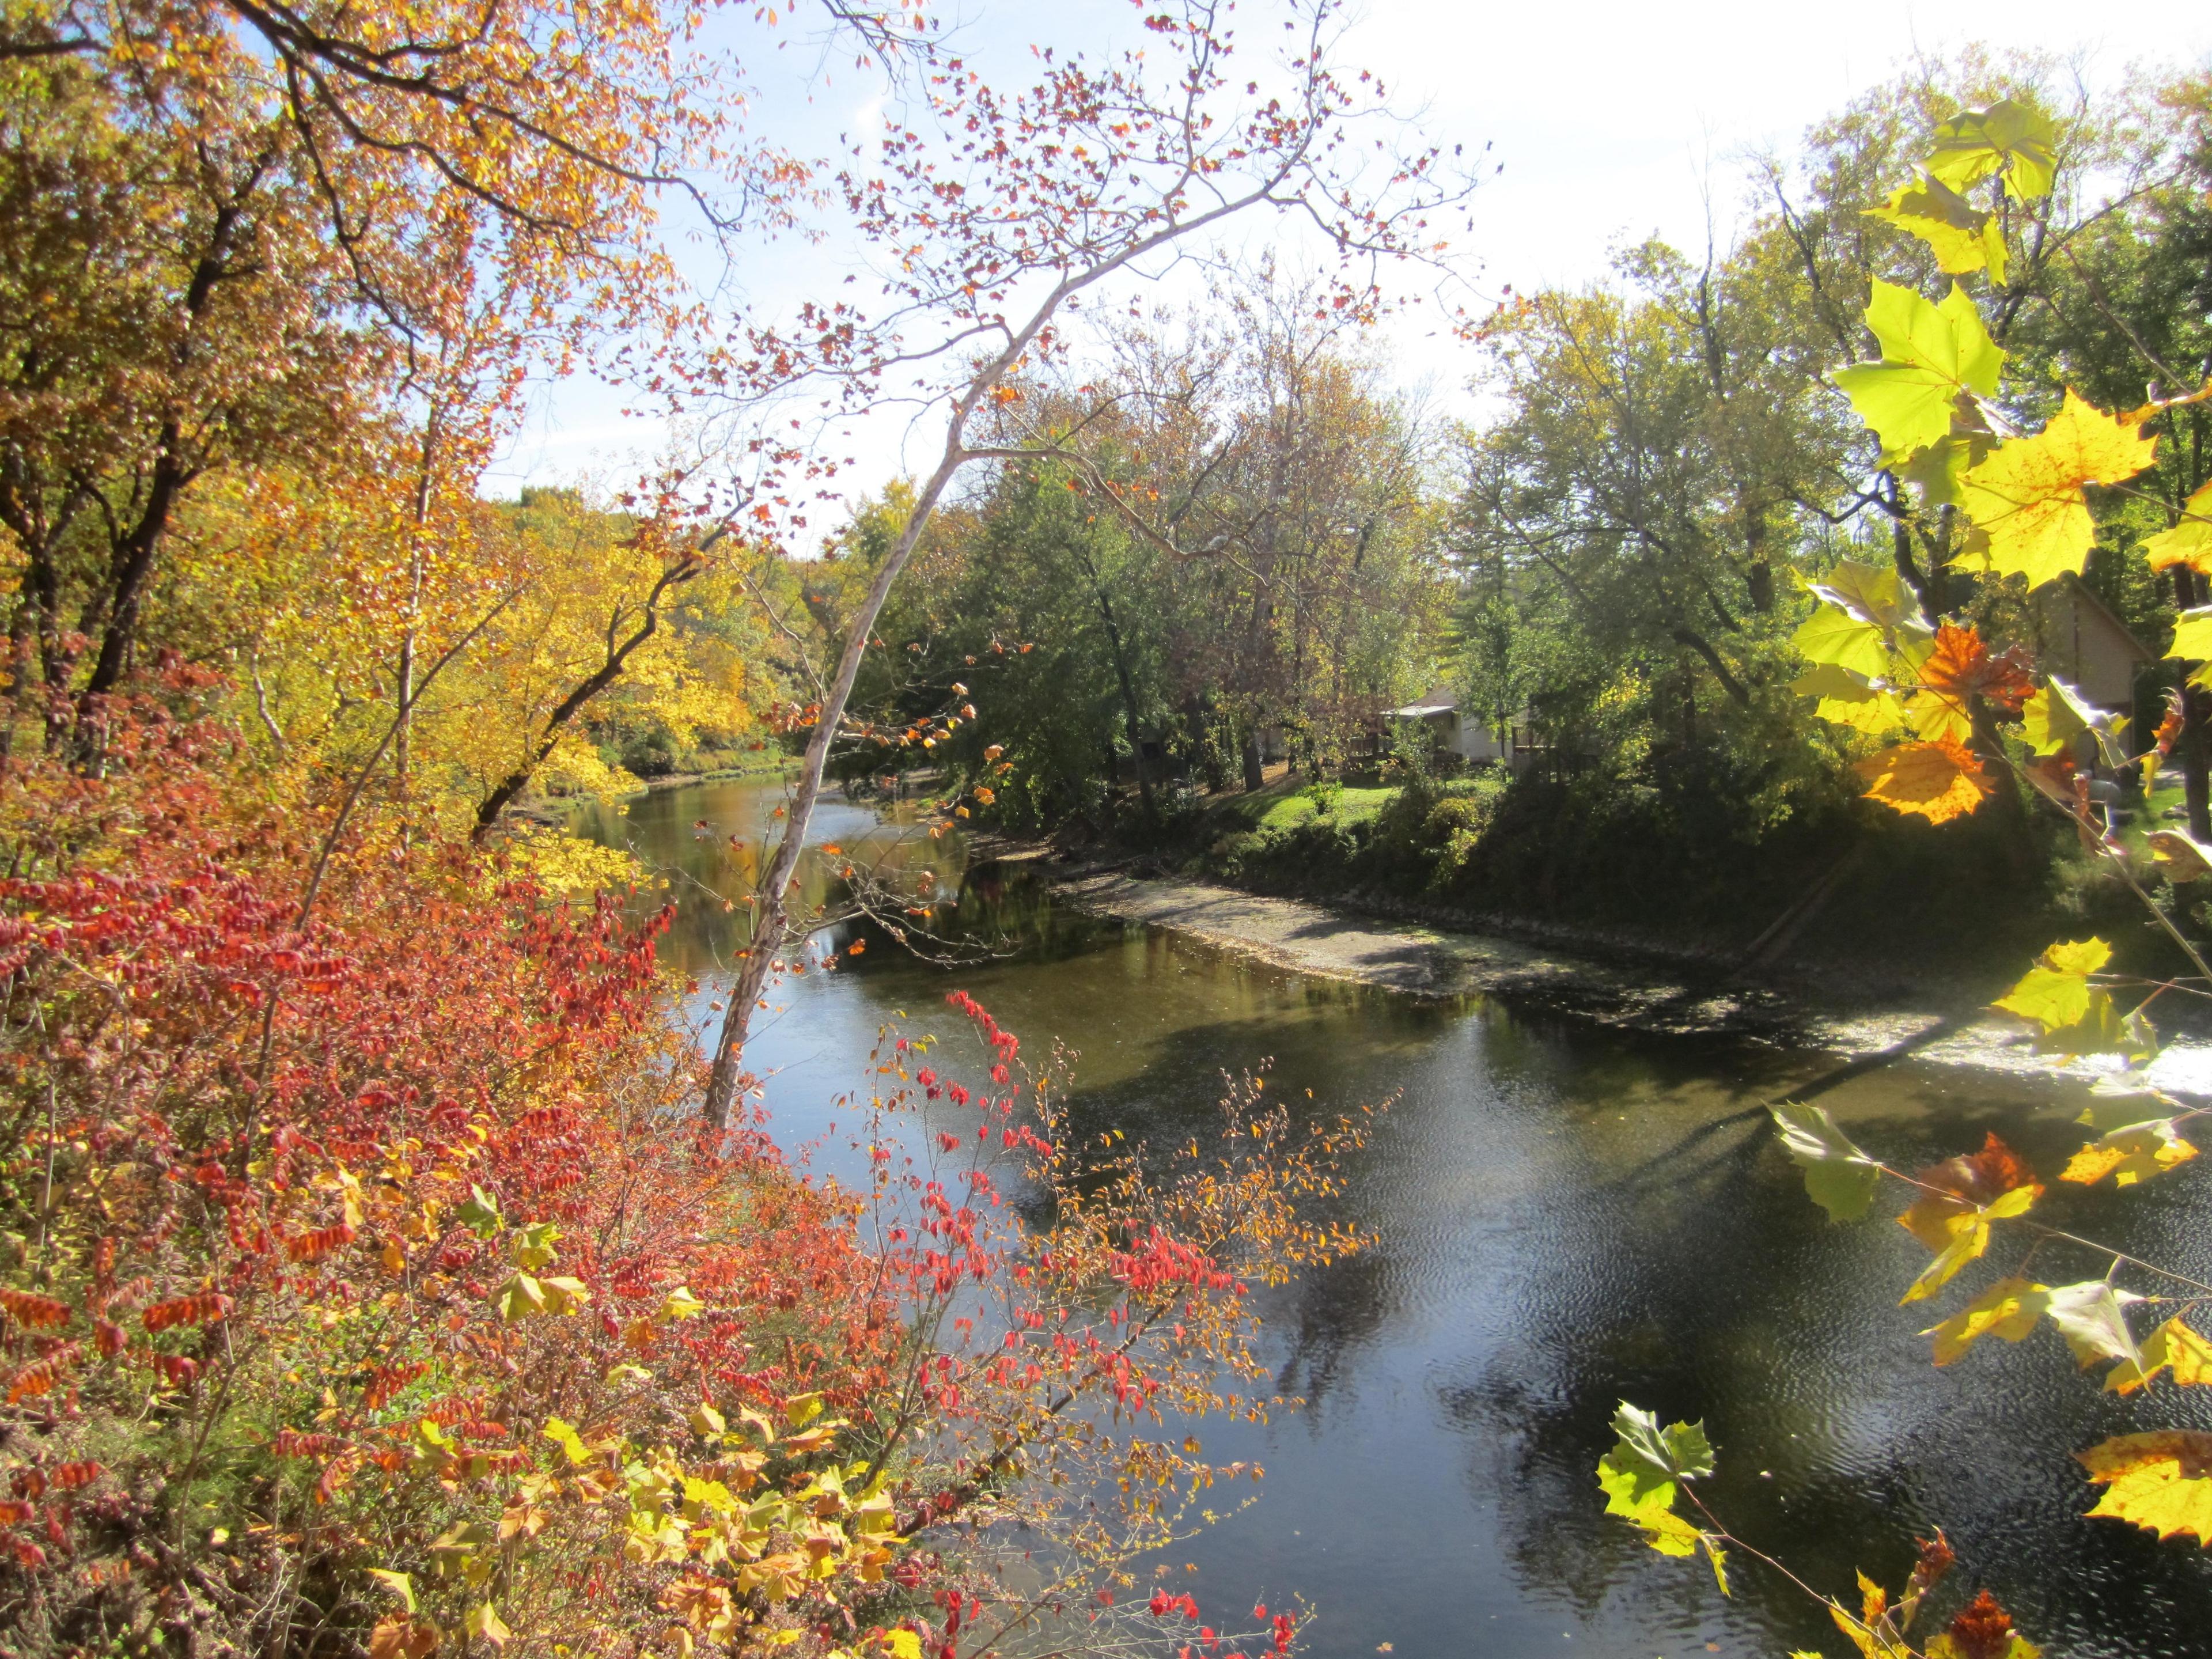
x: 2172, y: 1344
x: 2027, y: 497
x: 2133, y: 1153
x: 2009, y: 1309
x: 1938, y: 781
x: 1962, y: 237
x: 485, y: 1622
x: 2188, y: 542
x: 2158, y: 1481
x: 2192, y: 636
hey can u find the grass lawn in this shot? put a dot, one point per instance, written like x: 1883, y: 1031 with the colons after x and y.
x: 1285, y: 805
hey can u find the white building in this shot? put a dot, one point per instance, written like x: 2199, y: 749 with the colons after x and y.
x: 1469, y: 737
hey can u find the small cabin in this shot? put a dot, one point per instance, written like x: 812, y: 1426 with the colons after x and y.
x: 1466, y: 737
x: 2080, y: 640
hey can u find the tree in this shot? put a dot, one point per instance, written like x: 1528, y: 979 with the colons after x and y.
x: 1003, y: 212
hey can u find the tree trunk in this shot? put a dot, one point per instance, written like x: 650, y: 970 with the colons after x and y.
x: 2195, y: 749
x: 1256, y: 776
x: 1128, y: 703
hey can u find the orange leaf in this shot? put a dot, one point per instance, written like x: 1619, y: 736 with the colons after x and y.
x: 1961, y: 666
x: 2160, y: 1481
x: 1963, y: 1184
x: 1939, y: 781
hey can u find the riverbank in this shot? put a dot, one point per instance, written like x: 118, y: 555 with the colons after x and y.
x: 1686, y: 997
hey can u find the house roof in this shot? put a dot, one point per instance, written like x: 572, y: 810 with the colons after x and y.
x: 1418, y: 710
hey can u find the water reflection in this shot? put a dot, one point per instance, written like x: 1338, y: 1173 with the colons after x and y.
x: 1564, y: 1217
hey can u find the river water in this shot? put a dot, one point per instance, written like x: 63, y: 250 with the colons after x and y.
x: 1564, y: 1217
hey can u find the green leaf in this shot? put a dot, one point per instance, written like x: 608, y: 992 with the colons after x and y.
x: 1847, y: 700
x: 480, y: 1215
x: 1873, y: 593
x: 1629, y: 1494
x: 1840, y: 1177
x: 1834, y: 638
x: 1677, y: 1452
x: 1963, y: 238
x: 2056, y: 715
x: 1930, y: 355
x: 520, y: 1296
x: 2008, y: 137
x: 2090, y: 1316
x: 2056, y: 992
x: 532, y: 1246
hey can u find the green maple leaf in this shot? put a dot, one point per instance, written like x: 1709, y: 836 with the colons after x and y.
x: 1931, y: 354
x: 2007, y: 138
x: 1840, y: 1177
x: 1963, y: 238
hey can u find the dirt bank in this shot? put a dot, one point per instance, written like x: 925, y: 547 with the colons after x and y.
x: 1439, y: 963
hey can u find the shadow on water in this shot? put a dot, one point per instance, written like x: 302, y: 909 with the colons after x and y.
x: 1564, y: 1217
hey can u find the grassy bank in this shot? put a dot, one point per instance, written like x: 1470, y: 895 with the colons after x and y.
x: 1830, y: 886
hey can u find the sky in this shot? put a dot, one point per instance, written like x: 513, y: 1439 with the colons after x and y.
x: 1608, y: 122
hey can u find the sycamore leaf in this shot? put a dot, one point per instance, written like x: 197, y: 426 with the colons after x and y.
x: 2008, y: 137
x: 1982, y: 1630
x: 2103, y: 1030
x: 401, y: 1637
x: 520, y: 1296
x: 1960, y: 667
x: 480, y: 1214
x: 2057, y: 714
x: 1678, y: 1452
x: 486, y: 1623
x: 1845, y: 699
x: 2092, y: 1317
x: 2160, y: 1481
x: 1939, y: 781
x: 1641, y: 1475
x: 399, y: 1584
x: 1937, y: 471
x: 564, y: 1436
x: 2182, y: 858
x: 2055, y: 993
x: 1939, y: 720
x: 1968, y: 1236
x: 1873, y: 593
x: 2133, y: 1153
x: 1959, y: 1200
x: 680, y: 1304
x: 2009, y: 1309
x: 1663, y: 1530
x: 1931, y: 354
x: 2115, y: 1102
x: 2172, y: 1344
x: 1963, y: 238
x: 1840, y: 1178
x: 1833, y: 637
x: 1718, y: 1558
x: 2027, y: 496
x: 2192, y: 635
x: 2188, y: 542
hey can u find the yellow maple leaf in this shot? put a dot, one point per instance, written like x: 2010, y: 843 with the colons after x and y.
x: 1939, y: 781
x: 2158, y: 1481
x: 2135, y: 1152
x: 2188, y: 542
x: 2027, y: 497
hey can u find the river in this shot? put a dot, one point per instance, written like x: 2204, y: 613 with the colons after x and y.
x: 1564, y: 1217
